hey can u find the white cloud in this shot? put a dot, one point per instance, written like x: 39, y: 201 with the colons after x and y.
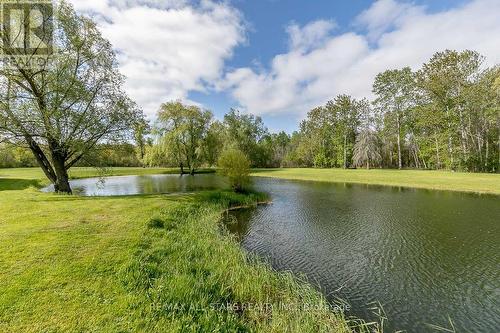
x: 310, y: 36
x: 320, y: 65
x: 384, y: 15
x: 167, y: 48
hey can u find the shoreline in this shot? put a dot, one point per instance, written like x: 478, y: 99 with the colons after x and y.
x: 472, y: 183
x: 341, y: 176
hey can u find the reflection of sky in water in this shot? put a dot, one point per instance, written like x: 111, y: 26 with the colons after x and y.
x: 147, y: 184
x: 423, y: 254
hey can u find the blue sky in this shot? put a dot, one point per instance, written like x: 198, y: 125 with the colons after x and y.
x: 279, y: 58
x: 267, y: 21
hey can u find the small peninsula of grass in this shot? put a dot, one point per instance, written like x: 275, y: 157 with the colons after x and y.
x: 434, y: 180
x: 139, y: 264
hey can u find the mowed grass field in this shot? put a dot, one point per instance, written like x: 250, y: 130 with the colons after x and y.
x: 158, y: 263
x: 436, y: 180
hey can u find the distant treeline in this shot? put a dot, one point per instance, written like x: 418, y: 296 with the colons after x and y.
x: 444, y: 116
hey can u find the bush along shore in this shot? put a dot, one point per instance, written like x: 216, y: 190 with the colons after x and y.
x: 190, y: 274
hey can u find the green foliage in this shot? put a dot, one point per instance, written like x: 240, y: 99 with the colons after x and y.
x: 181, y: 132
x: 214, y: 143
x: 141, y: 129
x: 444, y: 116
x: 13, y: 156
x: 396, y: 96
x: 112, y: 155
x: 322, y: 161
x: 327, y: 136
x: 454, y: 110
x: 234, y: 164
x: 232, y: 199
x: 187, y: 136
x: 72, y: 103
x: 245, y: 130
x: 247, y: 133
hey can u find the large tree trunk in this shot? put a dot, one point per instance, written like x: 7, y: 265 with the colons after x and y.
x: 55, y: 172
x: 182, y: 168
x: 61, y: 185
x: 41, y: 159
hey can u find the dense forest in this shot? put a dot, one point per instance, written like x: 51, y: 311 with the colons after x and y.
x: 446, y: 115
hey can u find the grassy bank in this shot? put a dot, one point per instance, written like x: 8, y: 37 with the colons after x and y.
x: 436, y: 180
x: 139, y: 263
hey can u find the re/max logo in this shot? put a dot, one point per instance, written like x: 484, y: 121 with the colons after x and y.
x: 27, y: 28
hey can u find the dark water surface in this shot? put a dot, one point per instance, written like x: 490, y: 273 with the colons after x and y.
x: 424, y: 255
x: 147, y: 184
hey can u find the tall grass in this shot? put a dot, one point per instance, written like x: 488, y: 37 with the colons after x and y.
x: 187, y: 275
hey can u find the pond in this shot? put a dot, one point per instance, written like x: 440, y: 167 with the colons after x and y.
x: 147, y: 184
x: 424, y: 255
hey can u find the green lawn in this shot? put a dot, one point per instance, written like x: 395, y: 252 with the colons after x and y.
x: 137, y: 264
x: 437, y: 180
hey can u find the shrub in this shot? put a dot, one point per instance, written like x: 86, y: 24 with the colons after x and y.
x: 234, y: 164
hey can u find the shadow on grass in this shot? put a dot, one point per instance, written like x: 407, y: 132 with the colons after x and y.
x: 9, y: 184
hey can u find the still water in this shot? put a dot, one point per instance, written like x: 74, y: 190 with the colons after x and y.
x: 147, y: 184
x: 424, y: 255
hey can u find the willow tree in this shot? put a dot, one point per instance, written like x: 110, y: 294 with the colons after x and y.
x: 68, y: 104
x: 247, y: 133
x: 182, y: 130
x: 366, y: 149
